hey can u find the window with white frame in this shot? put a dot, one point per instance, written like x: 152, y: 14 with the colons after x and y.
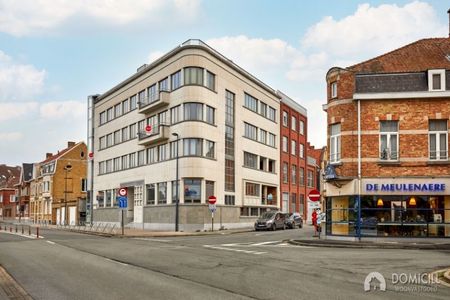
x: 164, y: 84
x: 301, y: 151
x: 335, y: 143
x: 118, y: 110
x: 285, y: 119
x: 438, y: 139
x: 389, y: 140
x: 285, y: 172
x: 125, y: 106
x: 285, y: 144
x: 293, y: 147
x: 209, y: 149
x: 333, y: 88
x: 125, y: 132
x: 293, y: 123
x: 302, y: 127
x: 436, y: 80
x: 310, y: 179
x: 294, y: 174
x: 152, y: 93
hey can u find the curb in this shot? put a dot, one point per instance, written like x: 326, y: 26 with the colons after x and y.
x: 360, y: 245
x: 221, y: 232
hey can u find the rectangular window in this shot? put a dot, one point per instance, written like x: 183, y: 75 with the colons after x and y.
x: 175, y: 80
x: 229, y: 142
x: 133, y: 102
x: 132, y: 160
x: 109, y: 166
x: 141, y: 158
x: 152, y: 94
x: 125, y: 106
x: 250, y: 131
x: 294, y: 174
x: 271, y: 113
x: 116, y: 164
x: 209, y: 149
x: 125, y: 162
x: 101, y: 167
x: 210, y: 80
x: 109, y: 140
x: 285, y: 144
x: 302, y: 204
x: 102, y: 117
x: 125, y: 132
x: 272, y: 139
x: 252, y: 189
x: 293, y: 203
x: 301, y: 151
x: 209, y: 114
x: 285, y: 118
x: 162, y: 193
x: 229, y: 200
x: 108, y: 196
x: 163, y: 118
x: 389, y: 140
x: 192, y: 190
x: 250, y: 160
x: 175, y: 114
x: 142, y: 99
x: 310, y: 179
x: 175, y: 191
x: 153, y: 120
x: 301, y: 176
x: 193, y: 75
x: 262, y: 109
x: 251, y: 103
x: 262, y: 163
x: 152, y: 155
x: 164, y: 85
x: 285, y: 172
x: 294, y: 147
x: 438, y: 139
x: 285, y: 204
x: 302, y: 128
x: 84, y: 185
x: 102, y: 142
x: 272, y: 168
x: 333, y: 88
x: 262, y: 136
x: 141, y: 125
x: 192, y: 147
x: 150, y: 194
x: 293, y: 123
x: 193, y: 111
x: 118, y: 110
x: 174, y: 149
x: 209, y: 189
x: 117, y: 137
x: 436, y: 81
x: 335, y: 143
x: 110, y: 114
x: 133, y: 132
x: 162, y: 151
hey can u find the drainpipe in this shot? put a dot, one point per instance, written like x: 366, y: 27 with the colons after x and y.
x: 358, y: 222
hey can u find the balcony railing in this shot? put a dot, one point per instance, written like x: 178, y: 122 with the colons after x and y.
x: 154, y: 101
x: 388, y: 155
x: 158, y: 133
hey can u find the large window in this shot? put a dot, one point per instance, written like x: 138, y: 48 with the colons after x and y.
x: 133, y: 102
x: 102, y: 117
x: 301, y: 151
x: 141, y: 158
x: 125, y: 162
x: 262, y: 136
x: 193, y: 111
x: 174, y: 149
x: 388, y: 140
x: 192, y: 190
x: 302, y: 127
x: 285, y: 118
x: 438, y: 139
x: 250, y: 160
x: 229, y: 142
x: 132, y: 160
x: 251, y: 103
x: 125, y: 106
x: 175, y: 80
x: 162, y: 193
x: 209, y: 189
x: 272, y: 140
x: 229, y: 199
x: 192, y: 147
x: 293, y: 123
x: 150, y: 194
x: 285, y: 172
x: 162, y: 151
x: 310, y: 179
x: 250, y: 131
x: 118, y: 110
x: 285, y: 199
x: 285, y: 144
x: 294, y: 174
x: 252, y: 189
x: 116, y: 164
x: 263, y: 109
x: 152, y: 155
x: 175, y: 114
x: 335, y: 143
x: 193, y: 75
x: 271, y: 113
x: 125, y: 132
x: 164, y: 84
x: 152, y: 93
x: 294, y: 147
x: 301, y: 176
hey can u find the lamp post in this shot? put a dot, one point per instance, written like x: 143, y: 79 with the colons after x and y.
x: 177, y: 184
x: 67, y: 168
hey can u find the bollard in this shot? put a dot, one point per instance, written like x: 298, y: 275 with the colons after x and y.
x: 29, y: 230
x: 22, y: 229
x: 16, y: 228
x: 37, y: 232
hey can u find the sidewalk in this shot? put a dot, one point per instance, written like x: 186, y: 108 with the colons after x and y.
x: 131, y: 232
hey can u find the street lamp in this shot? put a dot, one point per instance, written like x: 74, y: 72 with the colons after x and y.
x: 67, y: 168
x: 177, y: 184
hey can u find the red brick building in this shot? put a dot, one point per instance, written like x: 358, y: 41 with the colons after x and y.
x: 23, y: 190
x: 9, y: 177
x: 388, y: 127
x: 293, y: 152
x: 313, y: 176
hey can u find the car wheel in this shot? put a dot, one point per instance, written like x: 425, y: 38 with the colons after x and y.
x: 274, y: 227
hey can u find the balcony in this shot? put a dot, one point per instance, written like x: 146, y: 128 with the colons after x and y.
x: 160, y: 132
x: 153, y: 102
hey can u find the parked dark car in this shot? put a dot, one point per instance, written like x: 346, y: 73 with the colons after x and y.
x: 271, y: 220
x: 294, y: 220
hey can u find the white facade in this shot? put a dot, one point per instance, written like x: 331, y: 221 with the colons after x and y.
x: 194, y: 164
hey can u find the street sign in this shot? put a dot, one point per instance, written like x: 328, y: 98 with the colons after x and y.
x: 91, y: 155
x: 123, y: 202
x: 212, y: 200
x: 148, y: 129
x: 212, y: 208
x: 123, y: 192
x: 314, y: 195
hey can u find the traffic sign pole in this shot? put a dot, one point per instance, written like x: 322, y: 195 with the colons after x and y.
x: 212, y: 221
x: 123, y: 227
x: 212, y: 207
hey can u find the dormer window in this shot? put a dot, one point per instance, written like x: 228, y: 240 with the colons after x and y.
x: 436, y: 80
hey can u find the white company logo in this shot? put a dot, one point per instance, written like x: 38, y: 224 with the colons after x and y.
x: 376, y: 281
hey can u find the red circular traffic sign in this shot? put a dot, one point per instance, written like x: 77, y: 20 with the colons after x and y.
x: 212, y: 200
x: 91, y: 155
x: 148, y: 128
x: 123, y: 192
x: 314, y: 195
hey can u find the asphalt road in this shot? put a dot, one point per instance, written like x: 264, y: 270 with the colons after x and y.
x: 253, y: 265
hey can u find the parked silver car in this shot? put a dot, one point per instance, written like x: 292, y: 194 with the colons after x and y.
x: 271, y: 220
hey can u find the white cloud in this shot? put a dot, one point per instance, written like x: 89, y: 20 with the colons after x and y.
x: 63, y: 110
x: 16, y: 111
x: 154, y: 56
x: 10, y: 136
x: 19, y: 82
x: 28, y: 17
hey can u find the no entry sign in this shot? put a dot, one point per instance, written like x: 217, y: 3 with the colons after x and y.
x: 212, y: 200
x: 314, y: 195
x: 123, y: 192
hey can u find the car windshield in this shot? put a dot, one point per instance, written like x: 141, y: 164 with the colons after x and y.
x: 267, y: 215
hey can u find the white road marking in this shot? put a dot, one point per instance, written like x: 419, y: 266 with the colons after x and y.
x: 265, y: 243
x: 234, y: 250
x: 152, y: 240
x: 50, y: 242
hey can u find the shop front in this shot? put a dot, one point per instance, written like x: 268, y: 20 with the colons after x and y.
x: 389, y: 207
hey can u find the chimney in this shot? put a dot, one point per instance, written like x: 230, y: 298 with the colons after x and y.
x: 70, y: 144
x: 48, y: 155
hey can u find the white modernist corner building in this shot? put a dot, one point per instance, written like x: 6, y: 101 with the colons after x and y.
x: 194, y: 106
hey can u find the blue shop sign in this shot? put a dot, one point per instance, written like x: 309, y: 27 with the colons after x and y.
x: 405, y: 187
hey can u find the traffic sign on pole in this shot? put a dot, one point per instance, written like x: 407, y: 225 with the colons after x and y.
x: 123, y: 192
x: 314, y: 195
x: 212, y: 200
x: 123, y: 202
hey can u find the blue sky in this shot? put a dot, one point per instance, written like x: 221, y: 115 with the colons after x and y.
x: 54, y: 53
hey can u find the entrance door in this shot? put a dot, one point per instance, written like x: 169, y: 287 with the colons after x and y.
x: 72, y: 213
x: 58, y: 216
x: 63, y: 215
